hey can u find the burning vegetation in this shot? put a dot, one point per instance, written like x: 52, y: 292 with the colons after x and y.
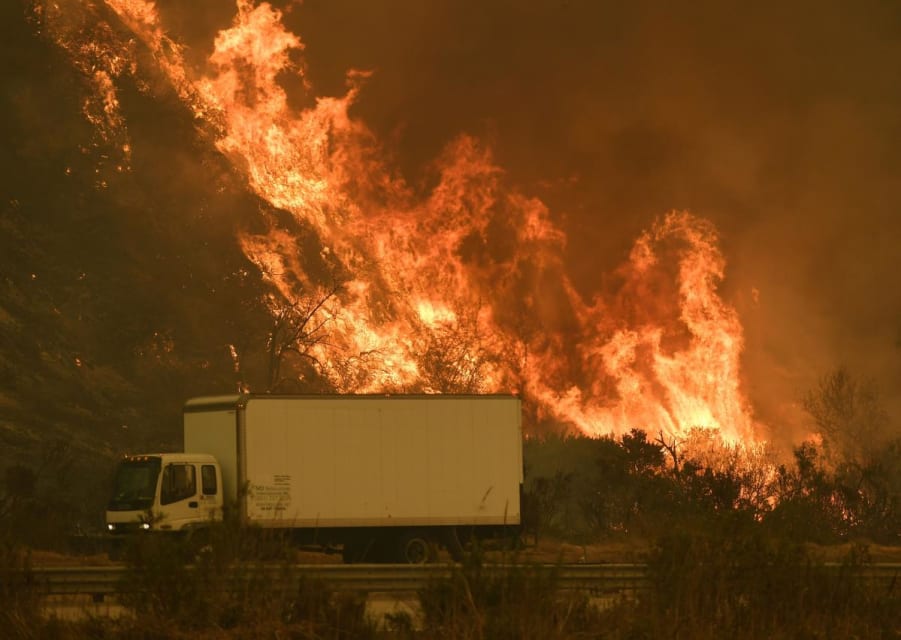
x: 239, y: 227
x: 377, y: 285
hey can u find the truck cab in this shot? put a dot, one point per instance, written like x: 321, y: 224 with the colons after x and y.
x: 165, y: 492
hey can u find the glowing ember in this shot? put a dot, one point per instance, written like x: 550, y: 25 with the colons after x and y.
x: 463, y: 289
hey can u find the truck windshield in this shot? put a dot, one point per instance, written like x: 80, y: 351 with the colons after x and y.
x: 135, y: 484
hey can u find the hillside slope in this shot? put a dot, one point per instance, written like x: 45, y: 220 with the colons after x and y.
x: 121, y: 287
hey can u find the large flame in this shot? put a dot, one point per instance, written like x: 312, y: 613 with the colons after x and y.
x: 463, y: 288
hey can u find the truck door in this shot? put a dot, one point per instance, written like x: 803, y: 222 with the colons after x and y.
x: 210, y: 492
x: 179, y: 502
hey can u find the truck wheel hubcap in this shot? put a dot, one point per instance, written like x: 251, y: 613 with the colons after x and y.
x: 416, y: 551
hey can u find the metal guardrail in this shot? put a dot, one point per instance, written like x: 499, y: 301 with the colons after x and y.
x: 598, y: 578
x: 110, y: 580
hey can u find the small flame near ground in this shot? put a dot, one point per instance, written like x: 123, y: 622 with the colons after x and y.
x: 463, y: 288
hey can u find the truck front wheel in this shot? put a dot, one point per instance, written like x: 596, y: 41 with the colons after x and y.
x: 415, y: 547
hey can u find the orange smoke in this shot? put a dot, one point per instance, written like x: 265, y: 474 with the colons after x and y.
x: 463, y: 288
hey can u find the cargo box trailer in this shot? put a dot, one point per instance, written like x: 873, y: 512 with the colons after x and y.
x: 384, y: 478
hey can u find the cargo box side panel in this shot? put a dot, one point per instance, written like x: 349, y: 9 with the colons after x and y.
x: 214, y: 431
x: 405, y: 490
x: 496, y: 461
x: 450, y: 440
x: 361, y: 459
x: 275, y: 458
x: 314, y: 444
x: 383, y: 461
x: 331, y: 462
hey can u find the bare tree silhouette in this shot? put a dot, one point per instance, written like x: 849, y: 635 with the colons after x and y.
x: 298, y: 327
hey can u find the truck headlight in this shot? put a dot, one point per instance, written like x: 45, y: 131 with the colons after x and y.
x: 111, y: 527
x: 145, y: 526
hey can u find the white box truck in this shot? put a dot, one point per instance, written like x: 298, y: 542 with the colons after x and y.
x: 386, y: 478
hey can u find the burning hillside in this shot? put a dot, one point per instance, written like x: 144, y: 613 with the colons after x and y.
x: 461, y: 286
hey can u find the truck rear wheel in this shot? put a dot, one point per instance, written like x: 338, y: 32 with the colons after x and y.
x: 415, y: 547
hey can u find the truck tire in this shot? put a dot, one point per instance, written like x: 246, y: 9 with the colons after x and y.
x: 415, y: 547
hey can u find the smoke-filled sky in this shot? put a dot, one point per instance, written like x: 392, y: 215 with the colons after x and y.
x: 780, y: 122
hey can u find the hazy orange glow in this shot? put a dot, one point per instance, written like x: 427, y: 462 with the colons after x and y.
x: 473, y: 259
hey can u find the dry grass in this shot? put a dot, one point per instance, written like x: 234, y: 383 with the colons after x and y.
x: 703, y: 587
